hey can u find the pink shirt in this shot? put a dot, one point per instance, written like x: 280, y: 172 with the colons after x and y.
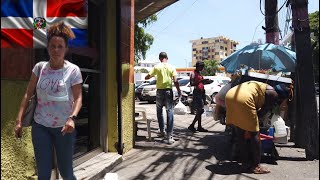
x: 55, y: 97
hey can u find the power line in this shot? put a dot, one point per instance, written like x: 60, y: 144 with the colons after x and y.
x: 275, y: 12
x: 256, y: 29
x: 178, y: 16
x: 161, y: 13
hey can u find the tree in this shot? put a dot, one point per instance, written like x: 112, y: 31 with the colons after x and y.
x: 314, y: 28
x: 211, y: 67
x: 142, y: 40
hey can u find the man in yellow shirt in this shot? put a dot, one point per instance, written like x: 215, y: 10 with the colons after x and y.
x: 165, y: 74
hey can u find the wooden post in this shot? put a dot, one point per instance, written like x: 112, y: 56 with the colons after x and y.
x: 271, y: 21
x: 307, y: 124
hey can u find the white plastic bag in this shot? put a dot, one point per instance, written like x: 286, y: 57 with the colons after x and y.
x: 180, y: 108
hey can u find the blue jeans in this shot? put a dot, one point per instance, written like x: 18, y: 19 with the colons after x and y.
x: 165, y: 98
x: 44, y: 139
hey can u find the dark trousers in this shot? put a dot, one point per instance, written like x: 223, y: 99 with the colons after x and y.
x: 249, y: 145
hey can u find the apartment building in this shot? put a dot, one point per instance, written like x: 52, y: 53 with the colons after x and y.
x: 215, y: 48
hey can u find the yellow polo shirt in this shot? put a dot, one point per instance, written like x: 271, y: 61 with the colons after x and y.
x: 164, y: 73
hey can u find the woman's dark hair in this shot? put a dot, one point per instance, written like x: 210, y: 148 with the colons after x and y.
x: 61, y: 30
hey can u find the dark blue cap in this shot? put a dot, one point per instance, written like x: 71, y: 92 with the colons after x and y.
x: 282, y: 90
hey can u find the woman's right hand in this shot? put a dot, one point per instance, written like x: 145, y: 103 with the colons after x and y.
x: 18, y: 129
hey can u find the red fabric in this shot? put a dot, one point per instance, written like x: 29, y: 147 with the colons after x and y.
x: 16, y: 38
x: 61, y: 8
x: 263, y: 137
x: 197, y: 78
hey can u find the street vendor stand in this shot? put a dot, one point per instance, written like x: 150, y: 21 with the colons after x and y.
x: 272, y: 80
x: 267, y: 133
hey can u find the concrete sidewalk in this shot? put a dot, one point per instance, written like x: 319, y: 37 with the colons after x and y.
x: 201, y: 155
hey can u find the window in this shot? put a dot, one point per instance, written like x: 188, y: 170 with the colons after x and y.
x: 221, y: 47
x: 225, y: 48
x: 183, y: 82
x: 204, y: 42
x: 221, y: 53
x: 216, y: 40
x: 216, y: 53
x: 194, y: 49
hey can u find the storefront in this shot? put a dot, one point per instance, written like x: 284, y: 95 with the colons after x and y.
x: 104, y: 55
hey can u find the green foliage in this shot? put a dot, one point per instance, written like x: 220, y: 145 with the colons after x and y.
x: 314, y: 28
x: 211, y: 67
x: 314, y: 23
x: 142, y: 70
x: 142, y: 40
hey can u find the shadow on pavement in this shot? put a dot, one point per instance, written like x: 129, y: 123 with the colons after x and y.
x: 225, y: 168
x: 292, y: 159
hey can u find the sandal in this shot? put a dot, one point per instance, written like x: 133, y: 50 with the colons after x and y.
x: 260, y: 170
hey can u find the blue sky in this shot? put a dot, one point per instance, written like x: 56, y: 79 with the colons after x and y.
x: 186, y: 20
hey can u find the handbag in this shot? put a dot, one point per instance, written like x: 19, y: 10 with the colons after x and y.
x: 29, y: 112
x: 31, y: 107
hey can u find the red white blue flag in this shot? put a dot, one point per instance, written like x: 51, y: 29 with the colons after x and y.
x: 24, y: 23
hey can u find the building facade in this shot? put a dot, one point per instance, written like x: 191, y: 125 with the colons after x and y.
x: 215, y: 48
x: 106, y: 123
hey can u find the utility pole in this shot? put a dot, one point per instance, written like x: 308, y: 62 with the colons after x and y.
x: 271, y: 21
x: 307, y: 124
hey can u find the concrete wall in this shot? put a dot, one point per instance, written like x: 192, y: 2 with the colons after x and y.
x: 17, y: 158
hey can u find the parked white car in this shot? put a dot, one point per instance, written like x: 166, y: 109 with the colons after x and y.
x: 211, y: 89
x: 149, y: 92
x: 223, y: 80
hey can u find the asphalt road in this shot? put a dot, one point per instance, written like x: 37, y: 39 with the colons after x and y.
x: 201, y: 155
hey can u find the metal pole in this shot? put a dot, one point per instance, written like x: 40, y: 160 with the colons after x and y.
x: 120, y: 145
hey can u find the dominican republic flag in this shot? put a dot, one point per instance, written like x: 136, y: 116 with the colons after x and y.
x: 24, y: 23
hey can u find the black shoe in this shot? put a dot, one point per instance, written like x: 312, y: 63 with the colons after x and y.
x: 191, y: 128
x: 202, y: 130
